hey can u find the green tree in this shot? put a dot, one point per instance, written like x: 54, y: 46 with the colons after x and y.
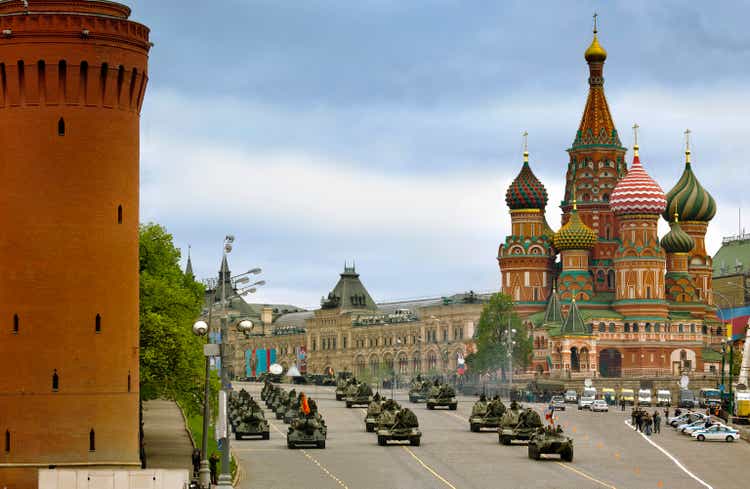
x: 491, y: 337
x: 172, y: 365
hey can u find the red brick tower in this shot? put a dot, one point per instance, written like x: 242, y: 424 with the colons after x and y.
x: 73, y: 76
x: 596, y: 165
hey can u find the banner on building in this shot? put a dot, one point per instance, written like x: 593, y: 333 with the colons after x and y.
x: 258, y: 361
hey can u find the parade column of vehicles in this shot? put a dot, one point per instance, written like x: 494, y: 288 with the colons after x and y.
x: 306, y: 425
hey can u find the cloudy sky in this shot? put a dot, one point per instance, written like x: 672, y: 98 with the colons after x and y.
x: 387, y: 131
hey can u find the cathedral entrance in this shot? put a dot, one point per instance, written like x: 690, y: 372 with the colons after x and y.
x: 575, y: 360
x: 610, y: 363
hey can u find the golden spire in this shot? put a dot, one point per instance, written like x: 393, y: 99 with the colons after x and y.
x: 687, y: 146
x: 595, y: 52
x: 635, y: 139
x: 676, y: 217
x: 525, y: 146
x: 575, y: 203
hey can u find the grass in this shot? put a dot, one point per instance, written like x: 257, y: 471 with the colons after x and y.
x: 195, y: 423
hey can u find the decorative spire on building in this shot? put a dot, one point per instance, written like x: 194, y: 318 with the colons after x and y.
x: 688, y: 198
x: 573, y: 324
x: 677, y: 240
x: 526, y: 191
x: 189, y: 266
x: 637, y: 192
x: 575, y: 234
x: 553, y: 313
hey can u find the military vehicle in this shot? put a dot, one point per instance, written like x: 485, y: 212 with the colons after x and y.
x: 401, y: 426
x: 342, y: 384
x: 274, y: 398
x: 246, y: 417
x: 373, y: 411
x: 292, y: 409
x: 528, y: 422
x: 419, y: 390
x: 442, y: 396
x: 284, y: 404
x: 486, y: 414
x: 307, y: 429
x: 358, y: 395
x: 551, y: 441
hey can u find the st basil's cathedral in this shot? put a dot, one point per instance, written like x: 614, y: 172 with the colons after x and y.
x: 620, y: 302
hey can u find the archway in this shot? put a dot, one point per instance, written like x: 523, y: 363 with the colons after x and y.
x: 575, y: 360
x: 610, y: 363
x: 584, y: 358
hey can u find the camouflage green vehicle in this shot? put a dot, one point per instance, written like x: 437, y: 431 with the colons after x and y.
x: 274, y: 398
x: 551, y: 441
x: 528, y: 422
x: 373, y: 411
x: 341, y: 386
x: 419, y: 390
x: 442, y: 396
x: 265, y: 390
x: 358, y: 395
x: 307, y: 429
x: 284, y: 404
x: 246, y: 418
x: 399, y: 426
x: 486, y: 414
x: 292, y: 409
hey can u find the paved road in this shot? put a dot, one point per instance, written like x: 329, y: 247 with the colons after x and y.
x: 608, y: 454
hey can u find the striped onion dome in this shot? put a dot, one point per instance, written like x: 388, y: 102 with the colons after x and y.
x: 526, y: 191
x: 677, y: 240
x: 637, y: 193
x: 575, y: 234
x: 689, y: 199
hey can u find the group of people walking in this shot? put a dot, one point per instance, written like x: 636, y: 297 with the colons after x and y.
x: 646, y: 422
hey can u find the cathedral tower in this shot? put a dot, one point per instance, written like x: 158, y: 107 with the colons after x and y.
x: 526, y: 257
x: 73, y: 77
x: 637, y: 201
x: 596, y: 163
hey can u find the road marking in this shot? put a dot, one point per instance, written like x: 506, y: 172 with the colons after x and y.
x: 429, y: 469
x: 313, y: 460
x: 585, y: 475
x: 672, y: 458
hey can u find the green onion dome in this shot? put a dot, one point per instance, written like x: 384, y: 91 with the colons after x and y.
x: 574, y: 235
x: 689, y: 199
x: 677, y: 240
x: 526, y: 191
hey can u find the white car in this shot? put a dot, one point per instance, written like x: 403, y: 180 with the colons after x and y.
x: 690, y: 427
x: 716, y: 432
x: 599, y: 405
x: 685, y: 418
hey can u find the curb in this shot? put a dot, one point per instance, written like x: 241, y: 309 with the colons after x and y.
x: 237, y: 473
x: 185, y: 424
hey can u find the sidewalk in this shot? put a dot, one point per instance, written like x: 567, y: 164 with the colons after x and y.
x: 166, y: 441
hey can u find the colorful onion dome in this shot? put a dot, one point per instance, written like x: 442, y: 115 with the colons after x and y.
x: 637, y: 193
x: 526, y: 191
x: 677, y: 240
x: 575, y: 234
x: 689, y: 199
x: 595, y: 52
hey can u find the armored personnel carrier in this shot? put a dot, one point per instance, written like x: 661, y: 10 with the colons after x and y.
x: 442, y: 396
x: 528, y: 422
x: 551, y: 441
x: 486, y: 414
x: 358, y: 395
x: 401, y: 426
x: 419, y: 391
x: 373, y: 411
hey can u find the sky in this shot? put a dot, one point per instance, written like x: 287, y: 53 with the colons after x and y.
x: 386, y: 132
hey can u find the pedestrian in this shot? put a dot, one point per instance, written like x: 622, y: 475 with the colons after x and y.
x: 634, y: 419
x: 213, y: 465
x: 666, y: 413
x: 639, y: 419
x: 622, y: 404
x: 647, y: 422
x: 196, y: 461
x: 657, y: 421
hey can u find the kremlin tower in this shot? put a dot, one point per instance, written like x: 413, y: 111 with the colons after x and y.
x: 527, y: 258
x: 74, y: 75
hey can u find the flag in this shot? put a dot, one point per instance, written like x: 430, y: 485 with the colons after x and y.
x: 304, y: 405
x: 460, y: 363
x: 549, y: 414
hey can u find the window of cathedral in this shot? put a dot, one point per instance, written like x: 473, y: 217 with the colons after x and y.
x: 692, y: 328
x: 16, y: 324
x: 704, y: 329
x: 602, y: 327
x: 635, y: 327
x: 657, y: 328
x: 7, y: 440
x: 626, y: 327
x: 681, y: 328
x: 343, y: 343
x: 612, y: 327
x: 647, y: 328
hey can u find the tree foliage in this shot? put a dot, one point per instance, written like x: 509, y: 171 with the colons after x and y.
x: 491, y: 340
x: 172, y: 364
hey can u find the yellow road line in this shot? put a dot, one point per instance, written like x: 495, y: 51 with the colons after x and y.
x: 429, y: 469
x: 585, y: 475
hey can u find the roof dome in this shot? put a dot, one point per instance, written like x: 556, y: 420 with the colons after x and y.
x: 526, y: 191
x: 689, y: 199
x: 574, y: 235
x: 637, y: 193
x: 677, y: 240
x: 595, y: 51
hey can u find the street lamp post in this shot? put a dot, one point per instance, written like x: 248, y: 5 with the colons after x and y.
x: 509, y: 342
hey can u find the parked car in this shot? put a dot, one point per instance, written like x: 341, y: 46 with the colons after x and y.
x: 686, y: 418
x: 627, y: 396
x: 558, y: 403
x: 599, y: 405
x: 663, y: 397
x: 695, y: 424
x: 687, y: 399
x: 571, y: 396
x: 644, y: 397
x: 717, y: 432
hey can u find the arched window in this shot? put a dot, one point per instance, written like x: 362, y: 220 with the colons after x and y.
x: 7, y: 440
x: 98, y: 323
x: 611, y: 279
x: 16, y: 323
x: 61, y: 127
x: 626, y: 328
x: 55, y: 380
x: 119, y: 214
x: 657, y: 328
x: 719, y: 331
x: 681, y: 328
x: 612, y: 327
x: 62, y: 75
x: 692, y: 328
x: 128, y: 380
x: 635, y: 327
x: 648, y: 327
x: 92, y: 440
x: 600, y: 276
x: 605, y: 198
